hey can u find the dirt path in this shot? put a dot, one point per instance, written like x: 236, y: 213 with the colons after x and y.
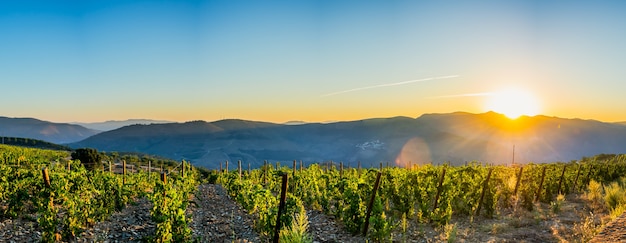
x: 614, y: 231
x: 19, y: 230
x: 130, y: 225
x: 216, y: 218
x: 326, y: 229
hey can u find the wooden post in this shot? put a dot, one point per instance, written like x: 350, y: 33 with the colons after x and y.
x: 359, y: 169
x: 301, y: 166
x: 341, y: 169
x: 277, y: 165
x: 164, y: 178
x: 577, y: 174
x: 443, y: 174
x: 46, y: 177
x: 543, y: 175
x: 239, y: 168
x: 482, y: 194
x: 381, y: 166
x: 110, y: 167
x: 513, y: 160
x: 561, y: 179
x: 264, y: 172
x: 370, y: 205
x: 124, y: 171
x: 519, y: 178
x: 249, y: 169
x: 46, y: 182
x: 589, y: 173
x: 281, y: 208
x: 226, y: 167
x: 221, y: 168
x: 69, y: 165
x: 183, y: 168
x: 294, y: 167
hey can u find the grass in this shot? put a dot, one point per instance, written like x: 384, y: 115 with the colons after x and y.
x: 557, y: 204
x: 611, y: 197
x: 587, y: 228
x: 594, y: 192
x: 297, y: 232
x: 450, y: 232
x: 614, y: 195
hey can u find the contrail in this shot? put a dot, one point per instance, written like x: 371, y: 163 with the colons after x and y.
x: 388, y: 85
x: 461, y: 95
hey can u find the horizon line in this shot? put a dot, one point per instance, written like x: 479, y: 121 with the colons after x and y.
x: 165, y: 121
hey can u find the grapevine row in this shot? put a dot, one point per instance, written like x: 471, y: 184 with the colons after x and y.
x: 64, y: 198
x: 428, y: 194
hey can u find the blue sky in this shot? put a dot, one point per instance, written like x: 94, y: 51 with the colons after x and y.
x: 279, y: 60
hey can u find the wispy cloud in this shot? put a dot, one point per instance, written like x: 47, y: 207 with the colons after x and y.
x: 461, y: 95
x: 389, y: 84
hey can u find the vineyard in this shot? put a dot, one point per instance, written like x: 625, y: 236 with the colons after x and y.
x: 424, y: 195
x: 63, y: 199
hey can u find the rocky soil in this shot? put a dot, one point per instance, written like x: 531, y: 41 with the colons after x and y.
x: 217, y: 218
x: 19, y: 230
x: 132, y: 224
x: 615, y: 231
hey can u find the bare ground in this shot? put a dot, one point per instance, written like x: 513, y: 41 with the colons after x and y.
x: 217, y: 218
x: 574, y: 221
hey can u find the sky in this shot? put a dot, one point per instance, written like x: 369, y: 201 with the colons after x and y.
x: 278, y: 61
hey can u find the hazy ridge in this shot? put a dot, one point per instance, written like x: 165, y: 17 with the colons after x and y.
x: 455, y: 137
x: 112, y: 125
x: 58, y: 133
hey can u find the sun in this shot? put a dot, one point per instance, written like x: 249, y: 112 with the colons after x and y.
x: 513, y: 103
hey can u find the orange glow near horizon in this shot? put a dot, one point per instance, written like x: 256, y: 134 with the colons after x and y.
x: 513, y: 103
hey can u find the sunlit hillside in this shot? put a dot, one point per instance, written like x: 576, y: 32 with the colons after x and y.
x: 432, y: 138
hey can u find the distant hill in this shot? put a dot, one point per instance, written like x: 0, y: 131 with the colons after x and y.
x: 621, y: 123
x: 112, y: 125
x: 32, y: 143
x: 59, y: 133
x: 295, y: 123
x: 455, y: 137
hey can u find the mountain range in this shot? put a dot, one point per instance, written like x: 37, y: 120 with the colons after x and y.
x: 59, y: 133
x: 112, y: 125
x: 431, y: 138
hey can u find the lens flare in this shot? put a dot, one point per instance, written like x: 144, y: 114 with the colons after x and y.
x: 414, y: 151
